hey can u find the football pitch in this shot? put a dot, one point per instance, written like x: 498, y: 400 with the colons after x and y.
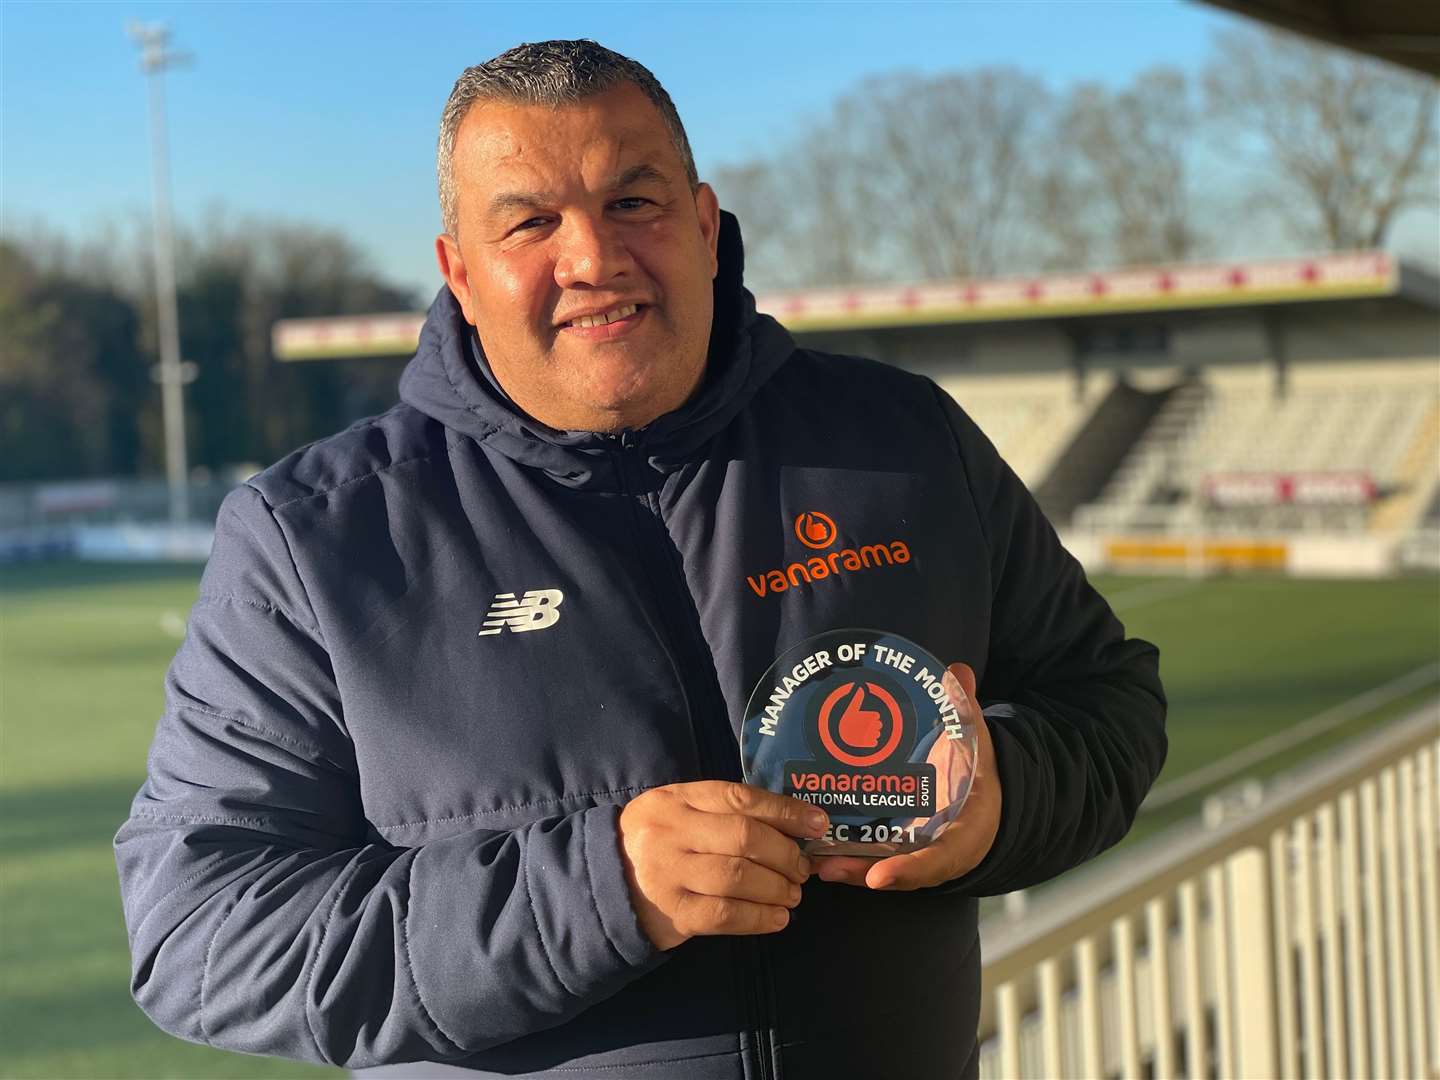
x: 83, y: 648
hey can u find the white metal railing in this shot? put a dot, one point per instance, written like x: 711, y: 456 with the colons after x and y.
x: 108, y: 501
x: 1300, y: 939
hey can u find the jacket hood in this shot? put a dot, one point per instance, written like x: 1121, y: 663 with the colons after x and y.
x: 449, y: 379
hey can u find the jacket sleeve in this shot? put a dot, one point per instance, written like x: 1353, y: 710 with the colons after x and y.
x: 265, y: 916
x: 1075, y: 708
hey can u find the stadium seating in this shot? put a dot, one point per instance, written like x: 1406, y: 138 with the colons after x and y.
x: 1375, y: 421
x: 1030, y: 418
x: 1142, y: 477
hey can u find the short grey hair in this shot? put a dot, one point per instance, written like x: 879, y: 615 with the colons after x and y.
x: 547, y: 73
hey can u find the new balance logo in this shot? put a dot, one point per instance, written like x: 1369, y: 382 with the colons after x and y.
x: 536, y: 610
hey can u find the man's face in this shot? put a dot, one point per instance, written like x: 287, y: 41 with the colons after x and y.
x: 583, y: 210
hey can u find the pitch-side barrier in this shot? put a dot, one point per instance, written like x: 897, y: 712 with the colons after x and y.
x: 1300, y: 938
x: 1372, y: 555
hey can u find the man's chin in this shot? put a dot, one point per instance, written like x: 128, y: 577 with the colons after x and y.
x: 618, y: 410
x: 619, y: 414
x: 614, y: 389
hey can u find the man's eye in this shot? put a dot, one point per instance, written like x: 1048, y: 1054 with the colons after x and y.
x: 634, y: 202
x: 530, y: 223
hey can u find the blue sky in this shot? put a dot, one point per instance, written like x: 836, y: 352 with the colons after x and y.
x: 327, y: 112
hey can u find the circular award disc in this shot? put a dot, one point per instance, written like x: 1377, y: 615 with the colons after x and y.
x: 872, y: 729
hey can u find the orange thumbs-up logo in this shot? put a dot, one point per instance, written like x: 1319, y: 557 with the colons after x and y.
x: 815, y: 530
x: 861, y: 726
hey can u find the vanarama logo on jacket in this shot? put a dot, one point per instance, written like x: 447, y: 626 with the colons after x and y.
x: 818, y: 531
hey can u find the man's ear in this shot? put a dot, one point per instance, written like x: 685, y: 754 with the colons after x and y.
x: 707, y: 207
x: 452, y: 269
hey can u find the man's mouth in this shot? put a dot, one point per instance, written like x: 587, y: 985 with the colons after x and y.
x: 606, y: 324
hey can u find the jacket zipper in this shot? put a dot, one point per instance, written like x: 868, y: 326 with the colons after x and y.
x: 719, y: 762
x: 716, y: 758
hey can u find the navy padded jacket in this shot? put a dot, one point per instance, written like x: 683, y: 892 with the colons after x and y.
x: 371, y: 834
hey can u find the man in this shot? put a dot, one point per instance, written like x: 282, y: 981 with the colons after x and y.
x: 448, y: 771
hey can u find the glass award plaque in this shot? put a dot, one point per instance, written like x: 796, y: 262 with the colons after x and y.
x: 872, y: 729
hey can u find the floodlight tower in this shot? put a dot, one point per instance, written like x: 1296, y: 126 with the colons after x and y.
x: 171, y: 374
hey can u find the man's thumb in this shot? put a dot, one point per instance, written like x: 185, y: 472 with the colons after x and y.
x: 965, y: 676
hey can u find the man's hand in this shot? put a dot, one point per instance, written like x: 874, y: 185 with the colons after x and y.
x: 714, y: 857
x: 955, y: 851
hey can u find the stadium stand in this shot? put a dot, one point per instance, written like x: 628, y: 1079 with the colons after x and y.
x: 1031, y: 419
x: 1336, y: 447
x: 1140, y: 479
x: 1171, y: 417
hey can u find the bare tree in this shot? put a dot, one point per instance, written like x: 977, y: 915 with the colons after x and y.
x: 948, y: 164
x: 1114, y: 185
x: 806, y: 212
x: 802, y: 213
x: 830, y: 170
x: 1345, y: 143
x: 907, y: 177
x: 1064, y: 233
x: 752, y: 192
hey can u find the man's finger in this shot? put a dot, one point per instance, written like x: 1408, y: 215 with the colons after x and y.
x: 844, y: 869
x: 747, y: 838
x: 794, y: 817
x: 697, y: 914
x: 914, y: 870
x: 740, y: 878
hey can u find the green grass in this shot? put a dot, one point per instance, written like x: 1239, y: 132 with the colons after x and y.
x: 1243, y: 658
x: 83, y: 649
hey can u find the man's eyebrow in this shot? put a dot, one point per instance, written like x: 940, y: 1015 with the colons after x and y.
x: 636, y: 173
x: 529, y: 200
x: 512, y: 200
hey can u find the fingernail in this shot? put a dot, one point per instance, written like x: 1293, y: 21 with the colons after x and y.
x: 795, y: 894
x: 780, y: 918
x: 816, y: 822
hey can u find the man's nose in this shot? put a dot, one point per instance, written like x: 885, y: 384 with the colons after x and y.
x: 589, y: 252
